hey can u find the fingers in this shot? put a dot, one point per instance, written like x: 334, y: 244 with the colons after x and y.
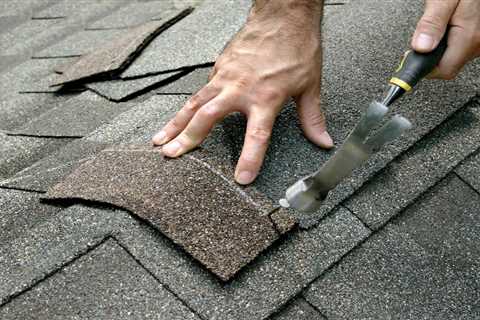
x: 458, y: 53
x: 433, y: 24
x: 183, y: 117
x: 313, y: 120
x: 257, y: 137
x: 199, y: 126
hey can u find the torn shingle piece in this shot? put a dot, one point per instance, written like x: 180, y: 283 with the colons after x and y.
x: 133, y: 14
x: 50, y: 170
x: 209, y: 217
x: 188, y: 84
x: 419, y: 168
x: 105, y: 283
x: 116, y: 55
x: 74, y: 118
x: 196, y: 42
x: 121, y: 90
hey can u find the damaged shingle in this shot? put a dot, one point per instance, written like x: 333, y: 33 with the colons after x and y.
x: 210, y: 217
x: 196, y: 40
x: 121, y: 90
x: 115, y: 56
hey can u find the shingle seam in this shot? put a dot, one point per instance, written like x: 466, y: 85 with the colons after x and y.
x: 359, y: 219
x: 165, y: 286
x: 35, y: 282
x: 314, y: 307
x: 21, y: 189
x: 300, y: 291
x: 10, y: 134
x: 466, y: 182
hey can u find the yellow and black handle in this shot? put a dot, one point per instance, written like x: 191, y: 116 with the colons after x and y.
x: 414, y: 67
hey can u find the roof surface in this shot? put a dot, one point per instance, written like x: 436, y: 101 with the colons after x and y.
x: 131, y: 235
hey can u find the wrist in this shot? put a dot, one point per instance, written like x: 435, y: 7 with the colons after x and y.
x: 296, y: 11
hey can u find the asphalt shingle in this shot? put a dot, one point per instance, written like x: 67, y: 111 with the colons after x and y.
x: 424, y: 265
x: 79, y: 43
x: 105, y: 283
x: 21, y: 211
x: 469, y: 170
x: 17, y: 153
x: 421, y: 167
x: 188, y: 84
x: 39, y: 251
x: 75, y: 9
x: 208, y: 39
x: 298, y: 309
x: 50, y: 170
x: 227, y: 230
x: 135, y: 13
x: 76, y: 117
x: 269, y: 282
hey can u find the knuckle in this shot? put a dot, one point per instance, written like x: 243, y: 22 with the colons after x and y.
x: 259, y: 135
x: 194, y: 102
x: 271, y: 95
x: 317, y: 119
x: 431, y: 22
x: 210, y: 111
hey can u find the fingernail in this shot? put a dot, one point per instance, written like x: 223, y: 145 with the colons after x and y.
x: 245, y: 177
x: 172, y: 149
x: 424, y: 42
x: 160, y: 138
x: 325, y: 140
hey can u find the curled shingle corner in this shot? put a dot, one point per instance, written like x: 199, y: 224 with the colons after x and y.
x: 189, y: 203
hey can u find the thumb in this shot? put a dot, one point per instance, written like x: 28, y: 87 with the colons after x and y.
x: 433, y: 24
x: 312, y: 119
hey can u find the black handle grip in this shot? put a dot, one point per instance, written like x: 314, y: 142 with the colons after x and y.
x: 415, y: 66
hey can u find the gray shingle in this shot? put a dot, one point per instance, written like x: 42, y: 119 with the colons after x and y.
x: 21, y: 211
x: 268, y: 283
x: 208, y: 39
x: 75, y: 9
x: 429, y: 160
x: 50, y: 170
x: 188, y: 84
x: 31, y: 37
x: 136, y: 13
x: 298, y: 309
x: 39, y: 251
x: 228, y: 228
x: 76, y: 117
x: 469, y: 170
x: 105, y: 283
x: 32, y: 75
x: 17, y: 153
x: 22, y: 108
x: 423, y: 266
x: 79, y: 43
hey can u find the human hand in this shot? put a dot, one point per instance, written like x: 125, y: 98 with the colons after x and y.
x: 463, y: 16
x: 275, y: 56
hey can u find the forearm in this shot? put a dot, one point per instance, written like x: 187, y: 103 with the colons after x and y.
x: 304, y: 14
